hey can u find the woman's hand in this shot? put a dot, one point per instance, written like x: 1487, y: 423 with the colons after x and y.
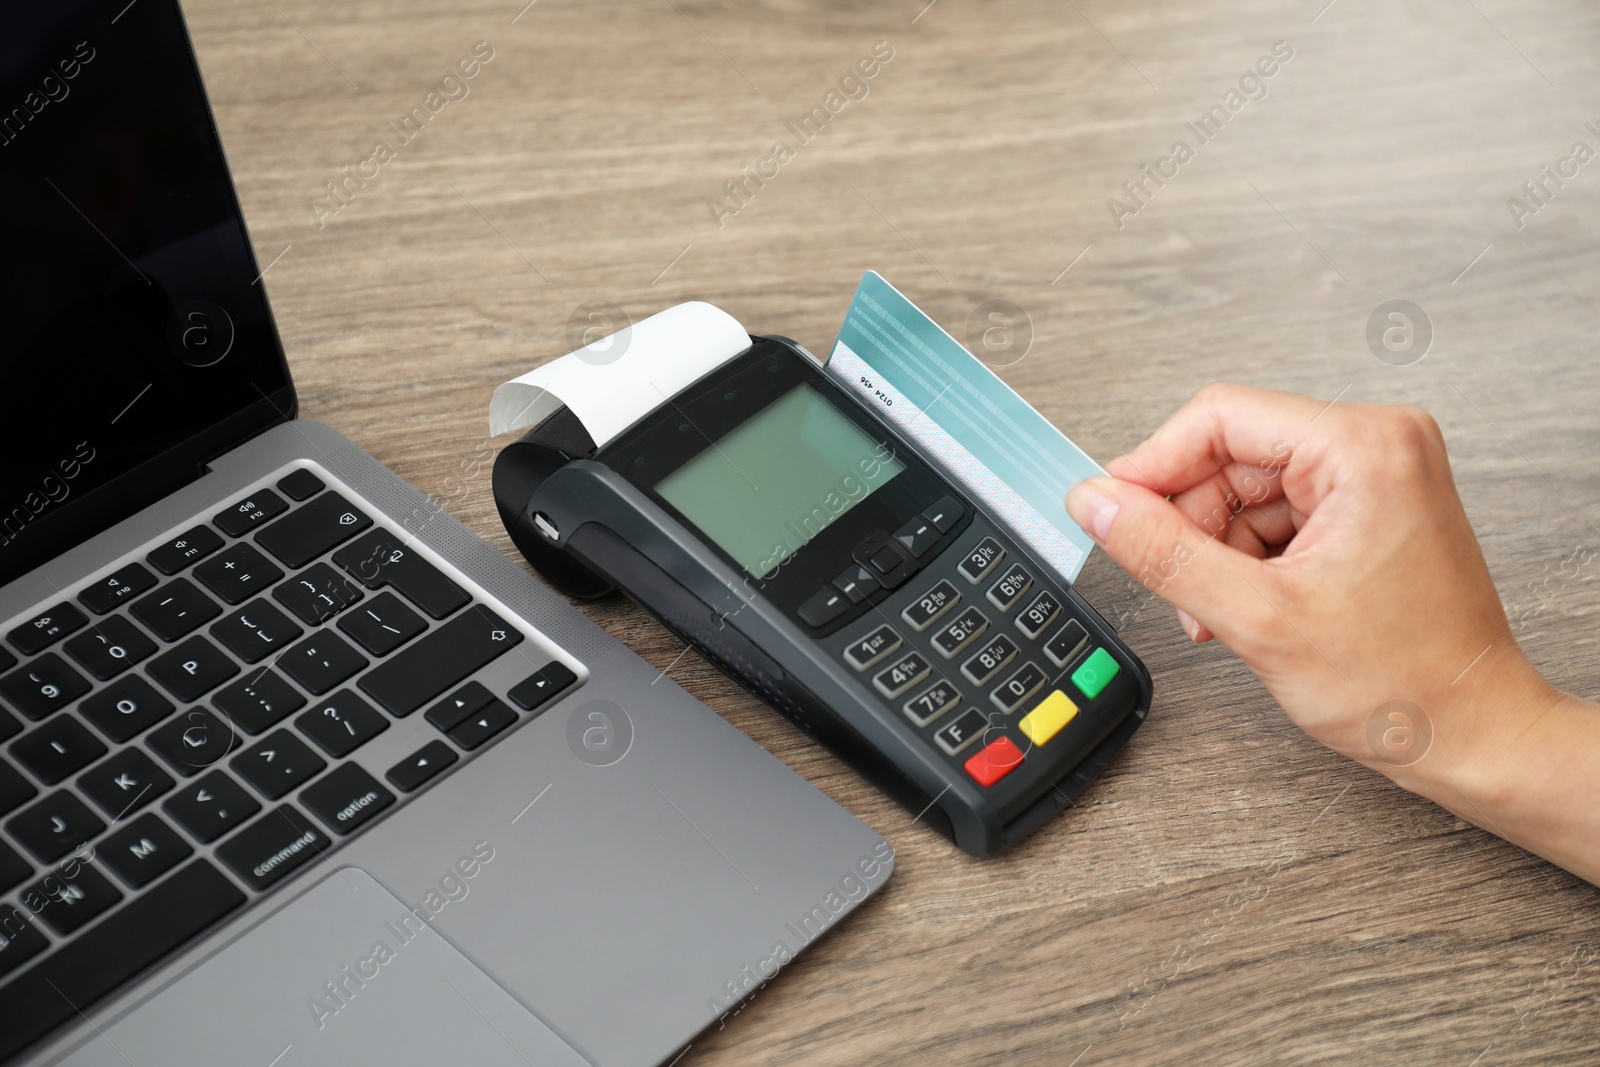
x: 1326, y: 546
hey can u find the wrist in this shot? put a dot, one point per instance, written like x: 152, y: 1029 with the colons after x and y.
x: 1493, y: 734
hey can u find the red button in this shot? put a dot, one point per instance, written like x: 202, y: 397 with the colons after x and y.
x: 995, y: 761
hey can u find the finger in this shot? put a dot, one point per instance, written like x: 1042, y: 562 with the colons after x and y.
x: 1222, y: 424
x: 1193, y: 627
x: 1160, y: 547
x: 1213, y: 503
x: 1260, y: 531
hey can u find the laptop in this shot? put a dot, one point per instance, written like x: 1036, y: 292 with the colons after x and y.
x: 295, y: 769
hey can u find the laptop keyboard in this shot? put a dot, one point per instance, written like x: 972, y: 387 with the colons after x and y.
x: 181, y: 736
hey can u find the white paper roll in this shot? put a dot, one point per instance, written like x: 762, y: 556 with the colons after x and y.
x: 618, y: 380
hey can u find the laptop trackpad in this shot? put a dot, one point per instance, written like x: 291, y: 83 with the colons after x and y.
x: 344, y: 975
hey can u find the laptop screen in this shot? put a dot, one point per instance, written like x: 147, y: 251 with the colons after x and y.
x: 132, y: 321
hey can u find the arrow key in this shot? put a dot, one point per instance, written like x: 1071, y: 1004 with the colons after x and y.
x: 277, y: 764
x: 125, y: 783
x: 481, y: 725
x: 421, y: 766
x: 448, y: 713
x: 211, y: 806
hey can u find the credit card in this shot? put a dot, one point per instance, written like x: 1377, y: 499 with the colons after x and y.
x: 975, y: 426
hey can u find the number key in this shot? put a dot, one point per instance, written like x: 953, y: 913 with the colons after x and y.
x: 110, y: 648
x: 981, y: 560
x: 1041, y: 613
x: 906, y: 672
x: 1005, y: 593
x: 960, y: 632
x: 871, y: 648
x: 924, y: 611
x: 989, y: 659
x: 1019, y: 687
x: 926, y: 707
x: 38, y: 688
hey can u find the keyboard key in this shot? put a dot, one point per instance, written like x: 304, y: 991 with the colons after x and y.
x: 857, y: 583
x: 104, y: 594
x: 193, y: 669
x: 988, y: 660
x: 40, y: 686
x: 258, y: 508
x: 481, y: 725
x: 901, y: 675
x: 301, y: 536
x: 443, y: 658
x: 46, y: 628
x: 420, y: 768
x: 57, y: 748
x: 126, y: 708
x: 458, y: 705
x: 981, y: 560
x: 110, y: 648
x: 944, y: 514
x: 348, y: 798
x: 383, y: 624
x: 994, y: 761
x: 9, y: 726
x: 193, y: 741
x: 342, y: 723
x: 256, y: 631
x: 317, y: 594
x: 54, y: 826
x: 175, y: 609
x: 918, y: 536
x: 14, y: 789
x: 1053, y: 713
x: 928, y: 608
x: 188, y: 547
x: 278, y: 764
x: 956, y: 735
x: 259, y: 700
x: 825, y: 605
x: 928, y: 706
x: 536, y: 690
x: 125, y: 783
x: 960, y: 632
x: 1096, y: 673
x: 7, y: 660
x: 68, y: 903
x: 273, y: 847
x: 871, y: 648
x: 1009, y: 589
x: 1063, y: 648
x: 19, y: 943
x: 14, y: 870
x: 238, y: 574
x: 143, y: 851
x: 115, y: 951
x: 322, y: 661
x: 380, y: 559
x: 1039, y: 614
x: 211, y: 806
x: 300, y: 484
x: 1025, y: 681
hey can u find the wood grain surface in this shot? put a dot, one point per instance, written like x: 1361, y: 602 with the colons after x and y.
x: 1229, y: 892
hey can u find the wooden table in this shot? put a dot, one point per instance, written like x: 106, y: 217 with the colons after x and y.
x: 1230, y: 891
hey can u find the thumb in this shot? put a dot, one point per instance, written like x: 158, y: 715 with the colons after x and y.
x: 1156, y: 543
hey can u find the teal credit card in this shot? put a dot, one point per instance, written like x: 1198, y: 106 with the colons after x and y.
x: 985, y: 437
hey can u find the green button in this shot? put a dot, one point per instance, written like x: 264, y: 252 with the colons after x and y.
x: 1096, y: 673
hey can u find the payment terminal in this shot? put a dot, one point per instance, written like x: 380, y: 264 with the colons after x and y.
x: 802, y: 545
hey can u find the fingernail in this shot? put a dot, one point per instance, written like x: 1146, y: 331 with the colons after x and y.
x: 1187, y: 621
x: 1092, y: 508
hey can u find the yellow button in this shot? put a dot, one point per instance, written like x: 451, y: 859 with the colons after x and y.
x: 1046, y: 720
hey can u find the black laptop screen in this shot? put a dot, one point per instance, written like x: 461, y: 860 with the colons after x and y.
x: 131, y: 320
